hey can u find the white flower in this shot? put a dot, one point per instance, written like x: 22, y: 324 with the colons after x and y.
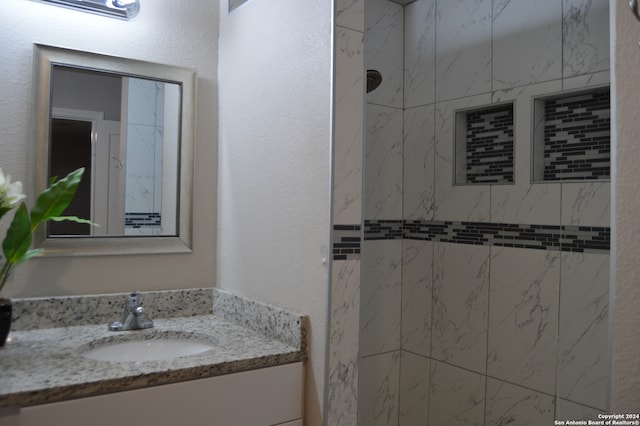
x: 10, y: 193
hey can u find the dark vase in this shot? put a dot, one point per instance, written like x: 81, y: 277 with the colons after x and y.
x: 6, y: 308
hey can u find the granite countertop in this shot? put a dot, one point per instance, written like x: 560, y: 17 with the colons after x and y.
x: 42, y: 365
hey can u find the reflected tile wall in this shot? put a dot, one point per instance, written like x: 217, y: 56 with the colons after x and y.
x: 523, y: 319
x: 511, y: 404
x: 380, y: 296
x: 460, y: 305
x: 463, y: 48
x: 585, y: 36
x: 144, y: 140
x: 379, y: 389
x: 527, y: 42
x: 459, y: 395
x: 583, y: 327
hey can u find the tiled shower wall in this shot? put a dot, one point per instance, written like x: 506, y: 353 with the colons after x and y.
x: 453, y: 332
x: 143, y: 183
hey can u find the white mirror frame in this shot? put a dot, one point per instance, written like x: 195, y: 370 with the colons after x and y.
x: 45, y: 57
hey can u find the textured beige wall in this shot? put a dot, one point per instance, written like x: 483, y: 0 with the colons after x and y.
x: 275, y: 147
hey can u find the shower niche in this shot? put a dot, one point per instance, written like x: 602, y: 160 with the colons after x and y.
x: 572, y: 136
x: 484, y: 145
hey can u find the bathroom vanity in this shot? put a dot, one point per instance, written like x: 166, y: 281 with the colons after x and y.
x: 249, y: 371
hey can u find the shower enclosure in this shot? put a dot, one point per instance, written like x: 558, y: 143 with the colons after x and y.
x: 482, y: 272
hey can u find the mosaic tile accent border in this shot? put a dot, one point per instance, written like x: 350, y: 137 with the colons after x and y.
x: 489, y: 145
x: 577, y: 136
x: 346, y: 242
x: 142, y: 220
x: 587, y: 239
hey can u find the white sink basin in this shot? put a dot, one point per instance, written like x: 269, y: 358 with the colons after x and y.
x: 146, y: 348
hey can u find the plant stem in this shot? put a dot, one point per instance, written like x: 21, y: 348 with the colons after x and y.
x: 4, y: 274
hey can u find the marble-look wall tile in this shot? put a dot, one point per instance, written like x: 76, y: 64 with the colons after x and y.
x: 381, y: 296
x: 458, y: 394
x: 523, y: 317
x: 527, y: 42
x: 460, y: 305
x: 417, y: 271
x: 379, y: 390
x: 510, y: 404
x: 141, y: 165
x: 567, y: 410
x: 384, y: 34
x: 348, y: 126
x: 596, y: 79
x: 419, y: 161
x: 463, y: 48
x: 342, y: 399
x: 142, y: 102
x: 525, y: 202
x: 586, y: 204
x: 383, y: 163
x: 414, y: 389
x: 350, y: 14
x: 469, y: 203
x: 583, y: 329
x: 419, y: 53
x: 585, y: 36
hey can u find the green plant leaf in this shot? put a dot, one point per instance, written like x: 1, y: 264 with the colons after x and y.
x: 74, y: 219
x: 18, y: 238
x: 3, y: 211
x: 55, y: 199
x: 28, y: 255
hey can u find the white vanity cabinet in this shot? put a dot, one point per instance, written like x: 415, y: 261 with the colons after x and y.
x: 263, y: 397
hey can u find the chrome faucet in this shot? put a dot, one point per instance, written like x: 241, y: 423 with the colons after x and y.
x: 134, y: 317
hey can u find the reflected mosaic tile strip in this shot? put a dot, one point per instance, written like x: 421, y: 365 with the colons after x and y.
x: 142, y: 220
x: 588, y: 239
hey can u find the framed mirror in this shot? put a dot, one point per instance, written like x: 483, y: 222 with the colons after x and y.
x: 130, y: 124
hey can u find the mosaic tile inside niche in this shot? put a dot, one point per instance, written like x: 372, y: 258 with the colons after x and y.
x: 484, y: 141
x: 577, y: 136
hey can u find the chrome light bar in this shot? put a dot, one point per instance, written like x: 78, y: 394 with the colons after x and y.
x: 121, y: 9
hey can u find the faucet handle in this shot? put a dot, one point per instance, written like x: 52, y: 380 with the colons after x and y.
x: 133, y: 301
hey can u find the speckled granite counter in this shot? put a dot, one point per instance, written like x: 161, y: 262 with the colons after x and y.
x: 41, y: 365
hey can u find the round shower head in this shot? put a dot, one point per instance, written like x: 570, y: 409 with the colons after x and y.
x: 374, y: 78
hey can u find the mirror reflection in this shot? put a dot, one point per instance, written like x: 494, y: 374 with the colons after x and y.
x: 130, y: 124
x: 124, y: 131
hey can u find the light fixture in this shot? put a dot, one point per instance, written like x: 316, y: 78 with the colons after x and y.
x: 121, y: 9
